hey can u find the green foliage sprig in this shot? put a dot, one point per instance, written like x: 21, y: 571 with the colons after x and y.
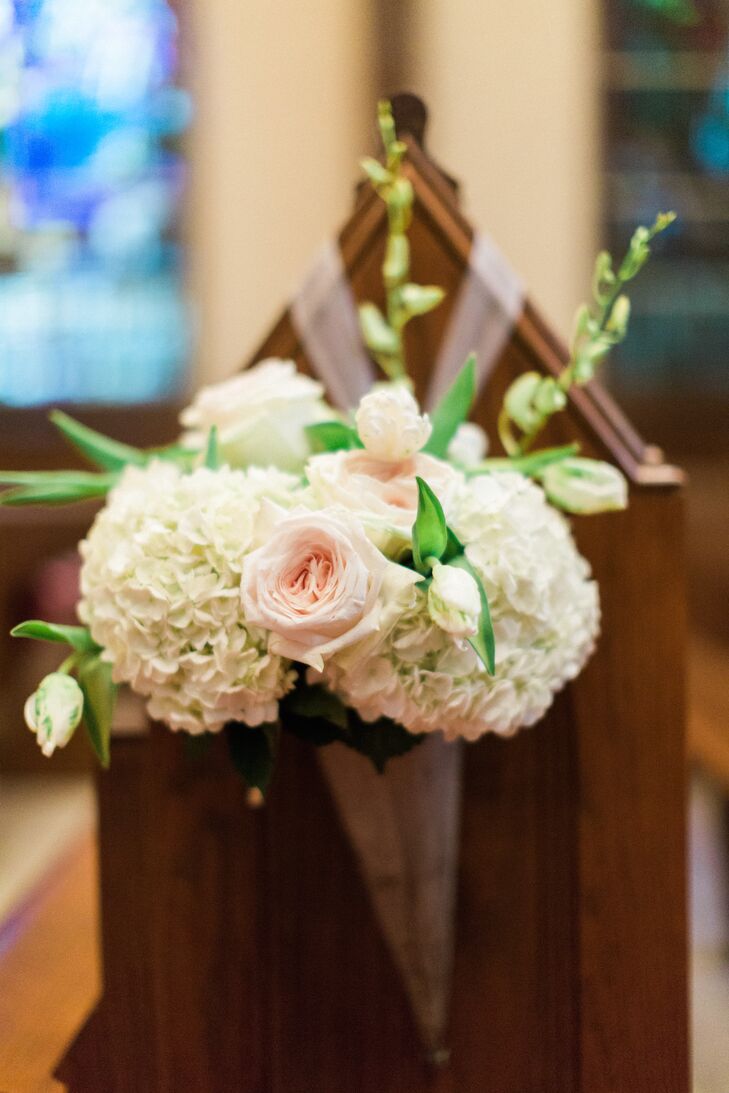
x: 434, y: 542
x: 453, y: 409
x: 532, y: 399
x: 319, y: 717
x: 108, y: 455
x: 383, y: 334
x: 92, y: 674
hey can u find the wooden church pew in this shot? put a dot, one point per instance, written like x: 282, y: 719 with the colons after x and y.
x: 239, y: 948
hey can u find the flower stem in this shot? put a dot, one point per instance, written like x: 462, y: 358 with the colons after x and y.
x: 384, y: 334
x: 598, y: 329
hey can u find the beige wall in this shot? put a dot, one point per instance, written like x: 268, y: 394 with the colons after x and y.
x: 283, y: 104
x: 285, y: 100
x: 513, y: 94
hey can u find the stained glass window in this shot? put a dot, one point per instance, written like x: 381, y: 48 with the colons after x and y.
x: 91, y: 116
x: 668, y: 148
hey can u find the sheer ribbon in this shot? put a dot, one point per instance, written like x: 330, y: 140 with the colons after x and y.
x: 404, y: 826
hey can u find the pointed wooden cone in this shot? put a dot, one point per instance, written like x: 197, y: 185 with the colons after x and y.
x: 404, y: 828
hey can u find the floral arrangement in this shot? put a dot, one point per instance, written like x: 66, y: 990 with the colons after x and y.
x: 367, y: 578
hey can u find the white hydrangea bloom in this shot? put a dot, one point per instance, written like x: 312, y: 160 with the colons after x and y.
x: 261, y: 415
x: 469, y: 445
x: 545, y: 612
x: 160, y: 585
x: 390, y: 425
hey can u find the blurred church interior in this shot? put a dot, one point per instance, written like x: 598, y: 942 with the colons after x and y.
x: 167, y: 168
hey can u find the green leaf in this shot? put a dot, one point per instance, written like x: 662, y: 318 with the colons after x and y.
x: 454, y: 547
x: 376, y: 331
x: 253, y: 752
x: 174, y: 453
x: 94, y: 677
x: 483, y: 643
x: 212, y: 452
x: 314, y: 730
x: 100, y: 450
x: 49, y: 495
x: 430, y: 532
x: 317, y: 716
x: 57, y: 479
x: 380, y: 740
x: 332, y: 436
x: 528, y: 465
x: 420, y: 299
x: 77, y: 637
x: 313, y: 714
x: 52, y: 487
x: 453, y: 409
x: 316, y: 702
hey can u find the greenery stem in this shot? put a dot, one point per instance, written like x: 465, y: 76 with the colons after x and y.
x: 567, y: 375
x: 597, y: 331
x: 69, y: 664
x: 384, y: 333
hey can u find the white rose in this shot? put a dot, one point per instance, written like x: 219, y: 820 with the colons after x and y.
x: 316, y: 585
x: 454, y: 601
x: 469, y: 445
x: 390, y: 424
x: 261, y: 415
x: 585, y: 486
x: 54, y: 711
x: 384, y: 495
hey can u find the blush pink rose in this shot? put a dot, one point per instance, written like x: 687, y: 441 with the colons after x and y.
x: 316, y: 585
x: 383, y: 494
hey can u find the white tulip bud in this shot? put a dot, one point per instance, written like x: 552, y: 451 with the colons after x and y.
x: 454, y: 601
x: 585, y: 486
x: 469, y: 445
x: 390, y: 424
x: 54, y: 711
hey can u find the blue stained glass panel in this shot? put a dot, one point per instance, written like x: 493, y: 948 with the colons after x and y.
x: 91, y: 177
x: 668, y: 148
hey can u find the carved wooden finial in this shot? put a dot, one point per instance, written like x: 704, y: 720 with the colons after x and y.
x: 411, y: 120
x: 411, y: 116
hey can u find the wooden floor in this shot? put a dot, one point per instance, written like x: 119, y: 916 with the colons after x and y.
x: 49, y: 971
